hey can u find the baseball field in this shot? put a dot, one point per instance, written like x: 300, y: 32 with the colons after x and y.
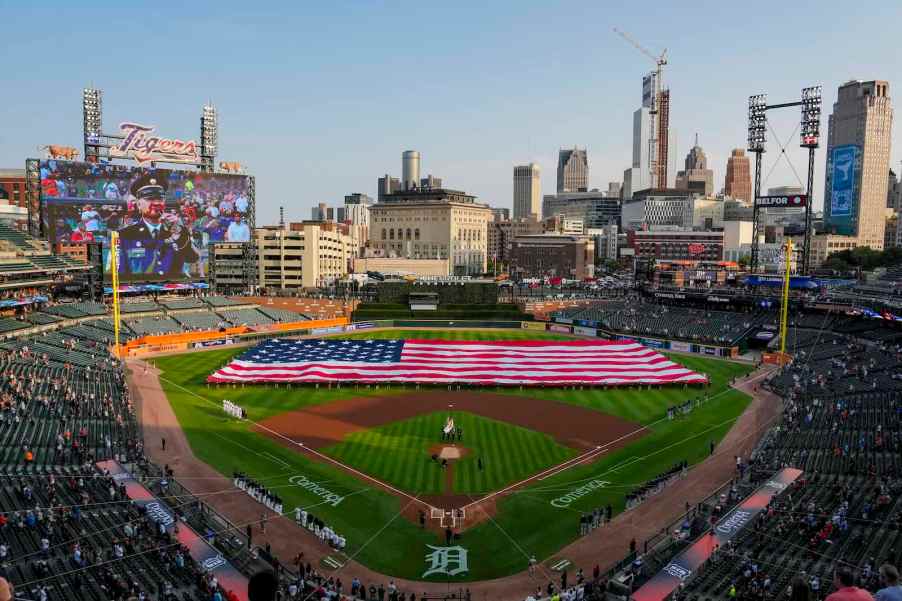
x: 524, y: 463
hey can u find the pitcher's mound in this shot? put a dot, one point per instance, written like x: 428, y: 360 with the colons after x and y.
x: 449, y: 452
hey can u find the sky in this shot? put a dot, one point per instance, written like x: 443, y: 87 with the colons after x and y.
x: 319, y: 99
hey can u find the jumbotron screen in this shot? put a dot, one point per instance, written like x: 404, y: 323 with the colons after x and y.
x: 166, y: 218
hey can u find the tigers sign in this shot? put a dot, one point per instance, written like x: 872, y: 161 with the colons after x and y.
x: 140, y: 145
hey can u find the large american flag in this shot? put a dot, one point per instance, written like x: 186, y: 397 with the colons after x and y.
x: 535, y: 363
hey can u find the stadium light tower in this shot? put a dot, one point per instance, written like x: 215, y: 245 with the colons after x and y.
x: 92, y: 111
x: 810, y: 134
x: 209, y: 138
x: 757, y: 137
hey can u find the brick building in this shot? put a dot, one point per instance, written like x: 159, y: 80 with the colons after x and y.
x: 553, y: 255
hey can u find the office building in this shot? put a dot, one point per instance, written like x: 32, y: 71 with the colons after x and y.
x: 233, y: 267
x: 696, y: 177
x: 322, y: 212
x: 651, y: 208
x: 13, y: 214
x: 572, y: 170
x: 737, y: 210
x: 891, y: 233
x: 356, y: 210
x: 677, y: 244
x: 309, y: 254
x: 607, y: 242
x: 501, y: 214
x: 594, y: 209
x: 614, y: 189
x: 553, y: 255
x: 738, y: 181
x: 12, y: 186
x: 432, y: 224
x: 858, y: 154
x: 387, y: 185
x: 894, y: 192
x: 430, y: 181
x: 707, y: 212
x: 527, y: 191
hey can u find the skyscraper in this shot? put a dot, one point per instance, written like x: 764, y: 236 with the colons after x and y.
x: 651, y: 133
x: 858, y: 151
x: 410, y: 169
x: 572, y: 170
x: 527, y: 191
x: 738, y: 182
x: 387, y: 185
x: 696, y: 177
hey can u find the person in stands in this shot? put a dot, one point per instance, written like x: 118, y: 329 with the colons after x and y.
x: 844, y: 581
x: 889, y: 577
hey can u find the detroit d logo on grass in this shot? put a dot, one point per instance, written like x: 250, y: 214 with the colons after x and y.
x: 446, y: 560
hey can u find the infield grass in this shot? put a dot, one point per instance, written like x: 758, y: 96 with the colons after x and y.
x: 525, y: 523
x: 399, y: 453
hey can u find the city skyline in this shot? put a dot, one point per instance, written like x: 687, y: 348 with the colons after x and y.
x: 287, y: 108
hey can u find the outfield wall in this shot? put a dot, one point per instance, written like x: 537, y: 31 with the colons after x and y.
x: 174, y: 343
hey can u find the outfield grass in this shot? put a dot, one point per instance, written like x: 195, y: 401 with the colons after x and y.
x: 526, y: 517
x: 398, y: 453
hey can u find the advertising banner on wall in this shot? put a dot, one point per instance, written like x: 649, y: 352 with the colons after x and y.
x: 792, y: 201
x: 844, y: 169
x: 329, y: 330
x: 559, y: 328
x: 587, y: 323
x: 582, y: 331
x: 533, y: 325
x: 166, y: 219
x: 230, y: 579
x: 683, y: 566
x: 683, y: 347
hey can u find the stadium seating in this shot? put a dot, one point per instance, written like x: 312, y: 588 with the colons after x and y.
x: 246, y: 317
x: 183, y: 303
x: 138, y: 307
x: 842, y: 425
x: 640, y: 318
x: 199, y: 320
x: 221, y: 301
x: 145, y: 326
x: 10, y: 325
x: 282, y: 315
x: 76, y: 310
x: 40, y: 318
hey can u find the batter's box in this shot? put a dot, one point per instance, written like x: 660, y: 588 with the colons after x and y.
x: 448, y: 518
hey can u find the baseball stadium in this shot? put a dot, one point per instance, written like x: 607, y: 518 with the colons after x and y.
x: 435, y: 489
x: 175, y: 426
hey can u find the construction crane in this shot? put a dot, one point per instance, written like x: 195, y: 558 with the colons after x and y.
x: 657, y: 169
